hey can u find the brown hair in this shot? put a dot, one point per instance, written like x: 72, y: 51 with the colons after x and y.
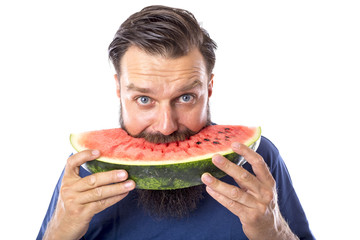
x: 161, y: 30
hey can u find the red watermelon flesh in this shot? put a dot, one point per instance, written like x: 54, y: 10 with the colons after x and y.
x: 165, y: 166
x: 116, y: 146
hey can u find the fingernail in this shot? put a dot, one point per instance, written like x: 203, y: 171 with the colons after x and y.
x: 235, y: 145
x: 208, y: 178
x: 95, y: 152
x: 129, y: 184
x: 121, y: 174
x: 218, y: 159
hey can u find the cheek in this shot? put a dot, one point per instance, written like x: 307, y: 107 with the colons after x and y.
x: 135, y: 120
x: 196, y: 118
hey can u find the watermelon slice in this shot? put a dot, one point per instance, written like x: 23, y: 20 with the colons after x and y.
x: 165, y: 166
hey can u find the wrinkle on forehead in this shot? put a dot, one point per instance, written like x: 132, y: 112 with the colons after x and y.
x: 137, y: 64
x: 148, y: 73
x: 188, y: 87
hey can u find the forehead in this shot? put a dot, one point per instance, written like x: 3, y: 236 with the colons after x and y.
x: 142, y: 69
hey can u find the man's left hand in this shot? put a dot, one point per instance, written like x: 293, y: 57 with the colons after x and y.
x: 254, y: 200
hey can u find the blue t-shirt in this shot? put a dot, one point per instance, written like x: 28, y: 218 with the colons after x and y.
x: 126, y: 220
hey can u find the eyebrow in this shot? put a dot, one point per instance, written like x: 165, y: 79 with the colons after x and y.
x: 196, y: 83
x: 132, y: 87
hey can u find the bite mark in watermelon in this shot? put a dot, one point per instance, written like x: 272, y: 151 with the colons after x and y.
x: 165, y: 166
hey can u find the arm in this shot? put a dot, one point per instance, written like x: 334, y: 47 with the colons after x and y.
x: 255, y: 201
x: 81, y: 198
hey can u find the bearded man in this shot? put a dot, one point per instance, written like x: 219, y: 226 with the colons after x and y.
x: 164, y: 61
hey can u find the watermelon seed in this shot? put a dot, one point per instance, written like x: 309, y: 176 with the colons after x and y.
x: 227, y: 128
x: 198, y: 143
x: 215, y: 142
x: 226, y: 136
x: 220, y: 132
x: 205, y: 139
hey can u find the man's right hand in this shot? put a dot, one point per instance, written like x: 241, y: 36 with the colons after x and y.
x: 81, y: 198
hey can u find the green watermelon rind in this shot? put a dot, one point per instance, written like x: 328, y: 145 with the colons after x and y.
x: 167, y: 175
x: 164, y: 177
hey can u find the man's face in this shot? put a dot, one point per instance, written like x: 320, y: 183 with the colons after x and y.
x: 162, y: 95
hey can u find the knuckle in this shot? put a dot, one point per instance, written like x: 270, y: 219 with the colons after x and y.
x: 245, y: 176
x: 214, y: 182
x: 226, y: 164
x: 259, y: 160
x: 217, y: 184
x: 65, y: 191
x: 102, y: 202
x: 234, y: 193
x: 70, y: 206
x: 241, y: 148
x: 97, y: 192
x: 271, y: 180
x: 231, y: 204
x: 74, y: 211
x: 70, y: 161
x: 238, y: 195
x: 98, y: 206
x: 91, y: 180
x: 268, y: 196
x: 242, y: 197
x: 244, y: 150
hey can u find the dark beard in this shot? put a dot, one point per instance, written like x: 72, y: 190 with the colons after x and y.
x: 160, y: 138
x: 176, y: 203
x: 170, y: 203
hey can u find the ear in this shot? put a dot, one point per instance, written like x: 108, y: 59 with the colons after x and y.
x: 210, y: 85
x: 117, y: 82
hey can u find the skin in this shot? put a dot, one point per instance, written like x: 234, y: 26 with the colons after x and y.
x: 165, y: 95
x: 254, y: 200
x: 81, y: 198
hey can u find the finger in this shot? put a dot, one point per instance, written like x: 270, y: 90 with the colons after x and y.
x: 232, y: 205
x: 76, y: 160
x: 229, y: 191
x: 104, y: 192
x: 240, y: 175
x: 101, y: 205
x: 100, y: 179
x: 258, y: 164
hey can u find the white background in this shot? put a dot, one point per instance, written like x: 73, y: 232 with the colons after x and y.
x: 288, y: 66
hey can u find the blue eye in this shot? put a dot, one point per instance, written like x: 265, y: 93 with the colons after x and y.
x: 143, y: 100
x: 186, y: 98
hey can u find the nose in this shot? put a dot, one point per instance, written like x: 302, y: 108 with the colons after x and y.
x: 166, y: 120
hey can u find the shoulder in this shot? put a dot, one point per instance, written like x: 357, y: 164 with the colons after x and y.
x: 270, y: 153
x: 268, y: 150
